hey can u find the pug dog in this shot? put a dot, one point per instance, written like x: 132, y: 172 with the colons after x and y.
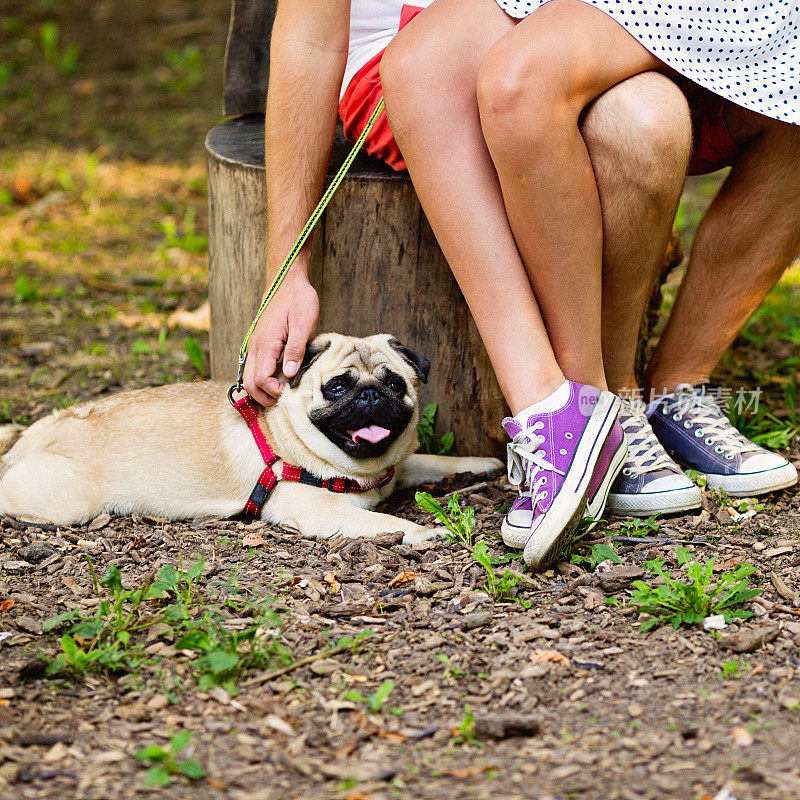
x: 182, y: 451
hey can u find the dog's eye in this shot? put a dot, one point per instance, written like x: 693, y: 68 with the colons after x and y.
x: 395, y: 383
x: 335, y: 387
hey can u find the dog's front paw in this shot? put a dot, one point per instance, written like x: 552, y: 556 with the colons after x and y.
x: 486, y: 466
x: 424, y: 535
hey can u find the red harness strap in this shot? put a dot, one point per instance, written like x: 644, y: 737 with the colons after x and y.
x: 266, y: 482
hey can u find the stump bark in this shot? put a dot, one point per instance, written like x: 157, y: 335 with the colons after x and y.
x: 376, y: 265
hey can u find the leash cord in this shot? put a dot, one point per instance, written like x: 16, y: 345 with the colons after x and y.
x: 299, y: 242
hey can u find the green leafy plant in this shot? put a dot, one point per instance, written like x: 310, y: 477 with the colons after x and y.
x: 429, y: 442
x: 765, y: 428
x: 499, y: 587
x: 466, y: 729
x: 450, y: 671
x: 195, y: 353
x: 189, y: 240
x: 186, y: 67
x: 596, y: 555
x: 731, y: 669
x: 26, y: 290
x: 374, y: 701
x: 141, y: 348
x: 640, y: 527
x: 112, y: 639
x: 690, y: 602
x: 165, y: 764
x: 66, y: 59
x: 460, y: 522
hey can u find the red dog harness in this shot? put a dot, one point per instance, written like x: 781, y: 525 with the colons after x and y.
x: 247, y: 408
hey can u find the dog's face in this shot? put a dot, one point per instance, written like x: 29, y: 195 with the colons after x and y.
x: 356, y: 397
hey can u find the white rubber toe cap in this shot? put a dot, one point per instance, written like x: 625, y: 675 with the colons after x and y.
x: 669, y: 483
x: 761, y: 462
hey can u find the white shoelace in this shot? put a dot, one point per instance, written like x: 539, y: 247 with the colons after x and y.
x: 645, y: 452
x: 525, y: 463
x: 706, y: 418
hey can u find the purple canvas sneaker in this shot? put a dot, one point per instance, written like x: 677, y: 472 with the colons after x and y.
x: 650, y: 481
x: 612, y: 458
x: 552, y: 460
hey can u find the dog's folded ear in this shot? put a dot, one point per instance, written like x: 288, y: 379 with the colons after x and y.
x: 421, y: 364
x: 313, y: 351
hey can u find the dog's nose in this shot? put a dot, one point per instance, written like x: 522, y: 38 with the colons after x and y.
x: 369, y: 397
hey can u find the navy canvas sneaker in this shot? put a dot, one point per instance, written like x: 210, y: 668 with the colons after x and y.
x: 650, y: 481
x: 696, y: 432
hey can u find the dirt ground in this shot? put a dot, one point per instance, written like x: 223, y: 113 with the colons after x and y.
x: 553, y: 692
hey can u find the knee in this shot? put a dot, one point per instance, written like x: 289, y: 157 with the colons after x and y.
x: 421, y: 76
x: 641, y: 130
x: 522, y: 98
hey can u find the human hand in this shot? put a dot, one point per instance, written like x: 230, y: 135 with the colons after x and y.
x: 285, y: 325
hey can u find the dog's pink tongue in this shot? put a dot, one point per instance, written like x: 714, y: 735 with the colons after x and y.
x: 372, y: 433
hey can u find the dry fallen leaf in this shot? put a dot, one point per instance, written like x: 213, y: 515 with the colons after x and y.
x: 7, y: 604
x: 330, y: 579
x: 74, y: 586
x: 402, y: 577
x: 757, y: 669
x: 354, y: 678
x: 742, y: 737
x: 548, y: 656
x: 253, y: 539
x: 197, y: 320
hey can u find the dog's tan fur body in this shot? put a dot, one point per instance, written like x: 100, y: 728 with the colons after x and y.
x: 181, y: 451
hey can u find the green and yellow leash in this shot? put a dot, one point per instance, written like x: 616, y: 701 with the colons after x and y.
x: 298, y: 245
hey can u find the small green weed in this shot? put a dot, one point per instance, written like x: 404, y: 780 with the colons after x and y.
x: 374, y: 701
x: 640, y: 527
x: 141, y: 348
x: 499, y: 587
x: 690, y: 602
x: 189, y: 240
x: 460, y: 522
x: 66, y: 59
x: 450, y: 671
x: 764, y: 427
x: 26, y: 290
x: 195, y: 353
x: 429, y: 442
x: 165, y: 764
x: 466, y: 729
x: 731, y: 669
x: 597, y: 554
x: 186, y: 68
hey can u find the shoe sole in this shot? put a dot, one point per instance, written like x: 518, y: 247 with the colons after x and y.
x: 754, y: 483
x: 596, y: 506
x: 674, y: 501
x: 555, y: 533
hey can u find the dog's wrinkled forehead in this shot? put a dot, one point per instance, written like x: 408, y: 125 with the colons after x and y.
x: 363, y: 356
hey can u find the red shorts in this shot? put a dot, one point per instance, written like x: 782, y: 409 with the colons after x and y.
x: 713, y: 146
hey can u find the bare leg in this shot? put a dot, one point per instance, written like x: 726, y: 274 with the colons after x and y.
x: 638, y: 137
x: 439, y: 133
x: 749, y: 236
x: 532, y: 89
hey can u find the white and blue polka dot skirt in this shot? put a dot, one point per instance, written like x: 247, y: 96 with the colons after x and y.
x: 743, y: 50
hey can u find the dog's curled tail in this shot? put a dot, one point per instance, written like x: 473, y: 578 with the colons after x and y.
x: 8, y: 435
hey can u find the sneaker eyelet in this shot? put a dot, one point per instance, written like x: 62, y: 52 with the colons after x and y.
x: 729, y: 457
x: 562, y: 451
x: 677, y: 417
x: 626, y: 471
x: 568, y: 435
x: 718, y: 450
x: 709, y: 441
x: 698, y: 433
x: 687, y: 424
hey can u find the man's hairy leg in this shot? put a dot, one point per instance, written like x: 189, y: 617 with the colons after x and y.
x: 749, y: 236
x: 639, y: 138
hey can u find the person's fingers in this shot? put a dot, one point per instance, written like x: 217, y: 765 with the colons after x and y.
x: 295, y: 349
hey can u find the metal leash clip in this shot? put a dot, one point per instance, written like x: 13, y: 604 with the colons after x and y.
x: 239, y: 385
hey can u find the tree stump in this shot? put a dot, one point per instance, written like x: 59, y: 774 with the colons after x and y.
x: 376, y: 265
